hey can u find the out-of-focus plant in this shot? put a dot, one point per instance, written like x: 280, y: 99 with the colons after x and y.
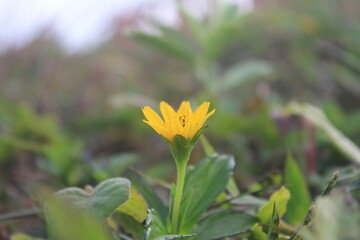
x: 315, y: 56
x: 59, y: 154
x: 22, y: 128
x: 319, y: 119
x: 206, y: 209
x: 116, y: 205
x: 315, y: 49
x: 335, y: 217
x: 104, y: 168
x: 89, y: 208
x: 202, y: 45
x: 218, y: 49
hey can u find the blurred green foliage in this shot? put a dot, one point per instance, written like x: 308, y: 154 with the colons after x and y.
x: 22, y: 128
x: 77, y: 117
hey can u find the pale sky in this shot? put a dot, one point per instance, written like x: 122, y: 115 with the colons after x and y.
x: 77, y: 24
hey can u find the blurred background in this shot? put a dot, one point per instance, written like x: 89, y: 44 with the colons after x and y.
x: 74, y: 76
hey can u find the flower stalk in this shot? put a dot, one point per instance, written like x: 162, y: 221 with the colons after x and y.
x: 181, y: 171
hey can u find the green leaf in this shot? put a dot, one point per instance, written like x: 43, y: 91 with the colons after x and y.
x: 244, y: 72
x: 223, y: 224
x: 152, y: 200
x: 280, y: 198
x: 109, y: 195
x: 203, y: 185
x: 135, y: 206
x: 76, y: 196
x: 130, y: 225
x: 65, y: 223
x: 257, y: 233
x: 232, y: 188
x: 300, y: 198
x: 155, y: 229
x: 103, y: 201
x: 208, y: 148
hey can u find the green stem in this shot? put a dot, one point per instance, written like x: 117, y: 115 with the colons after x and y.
x: 181, y: 169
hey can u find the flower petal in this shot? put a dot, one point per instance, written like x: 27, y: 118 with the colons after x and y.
x: 189, y: 130
x: 185, y: 109
x: 200, y: 113
x: 152, y: 116
x: 204, y: 118
x: 167, y: 112
x: 173, y: 126
x: 210, y: 113
x: 159, y: 129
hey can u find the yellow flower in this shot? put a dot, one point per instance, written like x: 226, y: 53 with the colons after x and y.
x: 183, y: 122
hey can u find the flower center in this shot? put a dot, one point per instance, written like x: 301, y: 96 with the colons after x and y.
x: 183, y: 120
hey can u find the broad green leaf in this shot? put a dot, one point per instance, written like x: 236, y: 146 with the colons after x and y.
x: 300, y: 198
x: 257, y: 233
x: 319, y: 119
x: 280, y: 198
x: 244, y: 72
x: 130, y: 225
x: 135, y: 206
x: 210, y: 150
x: 109, y: 195
x: 75, y: 196
x: 66, y: 224
x: 103, y: 201
x: 152, y: 200
x: 202, y: 186
x: 223, y: 224
x: 155, y: 229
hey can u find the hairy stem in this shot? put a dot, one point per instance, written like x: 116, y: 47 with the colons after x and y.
x: 181, y: 169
